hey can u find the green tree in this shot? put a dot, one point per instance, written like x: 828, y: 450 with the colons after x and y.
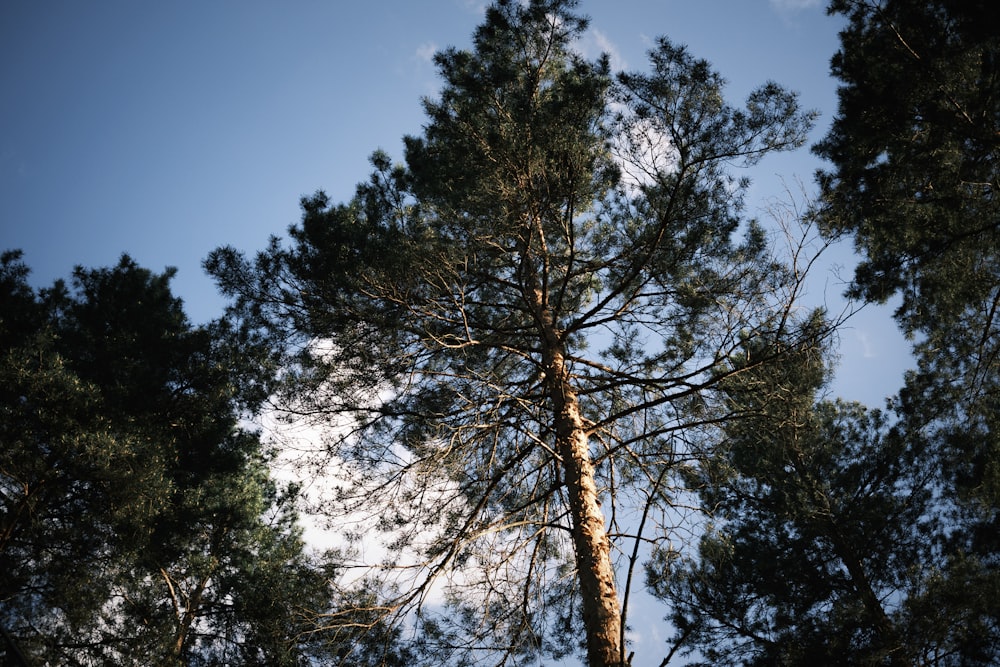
x: 915, y: 149
x: 61, y: 460
x: 825, y: 542
x: 518, y: 332
x: 138, y: 521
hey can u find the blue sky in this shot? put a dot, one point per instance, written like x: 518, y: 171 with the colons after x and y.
x: 166, y: 129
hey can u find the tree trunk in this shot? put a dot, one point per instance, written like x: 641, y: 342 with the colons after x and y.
x: 602, y: 620
x: 862, y: 584
x: 601, y: 609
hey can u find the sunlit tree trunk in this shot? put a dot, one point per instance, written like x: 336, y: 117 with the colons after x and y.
x: 601, y: 608
x: 592, y: 548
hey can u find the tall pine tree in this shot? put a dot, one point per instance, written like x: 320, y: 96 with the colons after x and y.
x: 915, y: 149
x: 138, y: 521
x: 517, y: 333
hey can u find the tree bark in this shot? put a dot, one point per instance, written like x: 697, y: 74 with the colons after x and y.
x: 601, y: 608
x: 862, y: 584
x: 602, y: 620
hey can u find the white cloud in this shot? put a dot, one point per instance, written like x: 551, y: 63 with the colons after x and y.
x: 794, y: 5
x: 867, y: 348
x: 606, y: 46
x: 425, y: 52
x: 476, y: 6
x: 593, y: 43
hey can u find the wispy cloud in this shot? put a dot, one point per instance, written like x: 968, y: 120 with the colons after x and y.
x: 425, y: 52
x: 476, y: 6
x: 593, y: 43
x: 422, y: 70
x: 794, y: 5
x: 606, y: 46
x: 867, y: 348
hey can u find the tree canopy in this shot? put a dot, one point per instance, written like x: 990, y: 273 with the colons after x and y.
x: 518, y: 334
x: 915, y: 149
x: 138, y: 519
x: 545, y: 360
x: 825, y: 543
x: 844, y: 535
